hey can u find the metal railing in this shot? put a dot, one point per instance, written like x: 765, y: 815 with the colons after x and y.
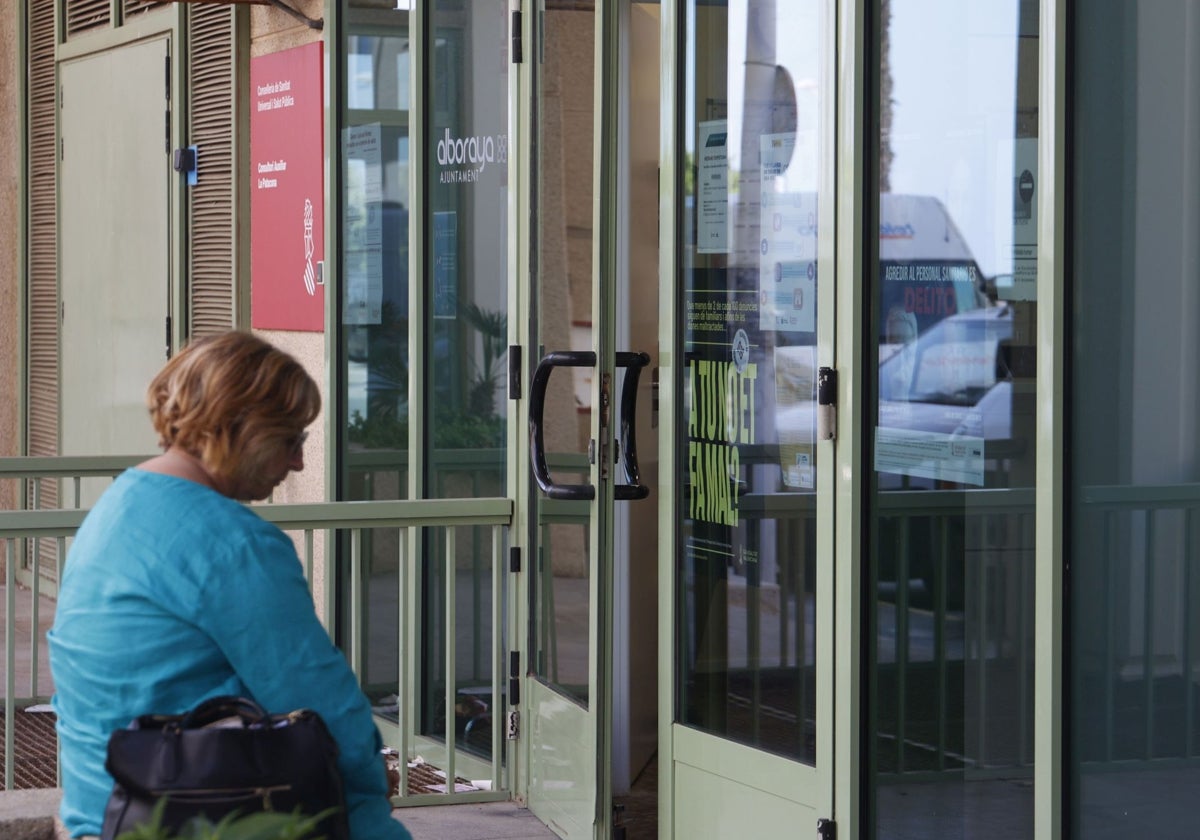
x: 426, y: 534
x: 1135, y: 615
x: 972, y: 654
x: 954, y: 640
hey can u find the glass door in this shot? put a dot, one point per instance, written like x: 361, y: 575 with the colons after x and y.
x: 750, y: 705
x: 581, y: 404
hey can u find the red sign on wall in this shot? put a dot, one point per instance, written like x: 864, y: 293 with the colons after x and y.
x: 287, y: 205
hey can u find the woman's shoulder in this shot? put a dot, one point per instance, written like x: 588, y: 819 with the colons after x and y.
x: 149, y: 506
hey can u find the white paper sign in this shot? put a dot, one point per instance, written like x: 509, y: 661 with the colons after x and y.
x: 712, y: 188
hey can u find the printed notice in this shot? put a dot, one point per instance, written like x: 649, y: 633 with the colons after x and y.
x: 795, y: 418
x: 712, y: 188
x: 933, y: 455
x: 1024, y: 274
x: 787, y: 269
x: 362, y: 225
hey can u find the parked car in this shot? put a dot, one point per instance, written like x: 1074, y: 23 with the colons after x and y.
x: 946, y: 402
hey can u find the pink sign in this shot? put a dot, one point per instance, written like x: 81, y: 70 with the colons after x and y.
x: 287, y: 205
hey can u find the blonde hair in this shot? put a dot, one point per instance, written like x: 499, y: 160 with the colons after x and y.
x: 230, y: 400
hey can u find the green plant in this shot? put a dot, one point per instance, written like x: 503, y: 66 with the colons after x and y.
x: 493, y: 331
x: 264, y: 825
x: 471, y: 423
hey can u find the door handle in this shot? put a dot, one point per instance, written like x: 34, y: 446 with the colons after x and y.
x: 634, y: 362
x: 537, y: 410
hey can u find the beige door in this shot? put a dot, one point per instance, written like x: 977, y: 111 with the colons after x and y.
x: 115, y: 244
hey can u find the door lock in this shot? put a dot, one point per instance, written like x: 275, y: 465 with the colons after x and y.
x: 826, y: 403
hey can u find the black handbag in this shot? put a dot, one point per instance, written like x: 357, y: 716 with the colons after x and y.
x: 226, y: 755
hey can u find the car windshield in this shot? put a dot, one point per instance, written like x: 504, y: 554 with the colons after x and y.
x: 955, y: 362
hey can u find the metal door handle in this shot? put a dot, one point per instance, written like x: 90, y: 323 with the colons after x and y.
x: 537, y: 409
x: 633, y: 362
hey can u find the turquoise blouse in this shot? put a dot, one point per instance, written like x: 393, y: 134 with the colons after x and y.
x: 173, y: 593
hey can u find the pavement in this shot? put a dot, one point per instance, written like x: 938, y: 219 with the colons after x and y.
x: 29, y: 815
x: 485, y: 821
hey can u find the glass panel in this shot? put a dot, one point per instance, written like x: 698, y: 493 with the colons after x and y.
x: 562, y: 277
x: 747, y: 564
x: 466, y: 317
x: 563, y: 598
x: 950, y: 728
x: 1135, y: 410
x: 373, y: 404
x: 467, y: 247
x: 470, y: 574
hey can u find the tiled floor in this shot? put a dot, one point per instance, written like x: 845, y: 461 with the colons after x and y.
x: 35, y: 763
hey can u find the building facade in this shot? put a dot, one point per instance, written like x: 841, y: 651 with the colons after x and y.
x: 836, y: 357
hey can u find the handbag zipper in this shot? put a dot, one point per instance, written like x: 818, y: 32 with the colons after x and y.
x: 264, y: 791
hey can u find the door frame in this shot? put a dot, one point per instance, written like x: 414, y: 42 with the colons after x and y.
x: 523, y: 298
x: 851, y: 258
x: 841, y: 257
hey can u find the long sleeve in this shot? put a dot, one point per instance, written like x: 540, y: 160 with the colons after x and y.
x: 263, y: 620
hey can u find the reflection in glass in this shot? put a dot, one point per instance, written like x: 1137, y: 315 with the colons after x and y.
x: 1134, y: 474
x: 563, y: 242
x: 747, y: 562
x: 949, y: 727
x: 469, y: 575
x: 467, y: 248
x: 466, y: 339
x: 373, y: 403
x: 563, y: 598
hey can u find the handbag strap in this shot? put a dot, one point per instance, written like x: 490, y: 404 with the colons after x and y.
x: 225, y: 706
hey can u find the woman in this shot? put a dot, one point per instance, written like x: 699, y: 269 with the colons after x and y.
x: 174, y: 591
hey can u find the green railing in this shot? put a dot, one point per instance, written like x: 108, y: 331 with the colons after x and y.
x: 955, y: 573
x: 954, y: 640
x: 1136, y: 625
x: 426, y: 528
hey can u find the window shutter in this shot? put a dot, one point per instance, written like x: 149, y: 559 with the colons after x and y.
x: 133, y: 7
x: 42, y: 402
x: 213, y: 200
x: 84, y: 15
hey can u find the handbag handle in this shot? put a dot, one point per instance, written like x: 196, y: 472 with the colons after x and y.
x: 225, y: 706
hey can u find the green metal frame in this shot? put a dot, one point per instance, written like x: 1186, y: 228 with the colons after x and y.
x: 604, y: 307
x: 1049, y: 606
x: 521, y: 300
x: 605, y: 251
x: 850, y: 299
x: 838, y: 482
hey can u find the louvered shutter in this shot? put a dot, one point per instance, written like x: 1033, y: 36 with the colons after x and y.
x: 84, y: 16
x: 133, y: 7
x: 42, y: 403
x: 213, y: 200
